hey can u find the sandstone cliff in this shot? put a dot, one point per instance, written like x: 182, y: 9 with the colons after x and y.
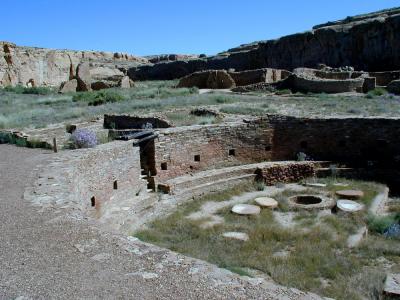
x: 47, y: 67
x: 368, y: 42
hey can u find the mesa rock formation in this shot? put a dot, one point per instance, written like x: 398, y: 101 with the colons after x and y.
x: 367, y: 42
x: 46, y: 67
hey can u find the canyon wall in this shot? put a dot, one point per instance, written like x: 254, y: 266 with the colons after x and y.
x: 369, y: 42
x: 47, y: 67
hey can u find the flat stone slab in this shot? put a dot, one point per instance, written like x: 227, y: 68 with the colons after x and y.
x: 315, y: 184
x: 246, y: 209
x: 349, y: 206
x: 341, y: 184
x: 392, y: 285
x: 266, y: 202
x: 350, y: 194
x: 241, y: 236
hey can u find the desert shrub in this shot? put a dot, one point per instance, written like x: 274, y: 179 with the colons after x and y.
x: 83, y: 138
x: 376, y: 92
x: 283, y: 92
x: 379, y: 224
x: 19, y: 89
x: 98, y: 97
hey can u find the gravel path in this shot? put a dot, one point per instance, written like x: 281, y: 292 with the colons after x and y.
x: 48, y: 256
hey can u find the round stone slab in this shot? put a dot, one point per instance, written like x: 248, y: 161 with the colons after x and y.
x: 350, y: 194
x: 246, y: 209
x: 266, y: 202
x: 349, y: 206
x: 241, y: 236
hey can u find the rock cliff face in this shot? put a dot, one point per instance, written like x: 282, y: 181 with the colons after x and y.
x: 47, y: 67
x: 368, y: 42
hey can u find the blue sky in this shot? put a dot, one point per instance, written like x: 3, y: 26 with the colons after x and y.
x: 145, y: 27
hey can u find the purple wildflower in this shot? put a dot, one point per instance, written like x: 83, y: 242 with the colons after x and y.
x: 83, y: 138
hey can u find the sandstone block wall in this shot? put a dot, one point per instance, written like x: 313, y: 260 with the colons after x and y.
x: 133, y: 122
x: 100, y: 170
x: 352, y: 140
x: 285, y: 172
x: 316, y: 85
x: 355, y: 141
x: 183, y: 150
x: 260, y: 75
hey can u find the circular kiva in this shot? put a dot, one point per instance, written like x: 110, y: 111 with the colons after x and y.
x: 350, y: 194
x: 241, y: 236
x: 310, y: 202
x: 266, y: 202
x: 246, y: 209
x: 349, y: 206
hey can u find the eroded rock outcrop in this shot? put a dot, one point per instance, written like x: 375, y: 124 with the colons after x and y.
x: 369, y: 42
x: 211, y: 79
x: 48, y: 67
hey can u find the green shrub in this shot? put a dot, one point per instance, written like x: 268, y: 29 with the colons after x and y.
x: 376, y: 92
x: 283, y: 92
x: 98, y: 97
x: 379, y: 224
x: 19, y: 89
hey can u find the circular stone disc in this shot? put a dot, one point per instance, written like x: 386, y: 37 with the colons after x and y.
x: 349, y: 206
x: 241, y: 236
x: 246, y: 209
x: 350, y: 194
x: 266, y: 202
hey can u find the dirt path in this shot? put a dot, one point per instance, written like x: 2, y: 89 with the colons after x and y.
x: 44, y: 256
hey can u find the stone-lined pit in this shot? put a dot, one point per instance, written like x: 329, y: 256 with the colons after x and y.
x: 311, y: 202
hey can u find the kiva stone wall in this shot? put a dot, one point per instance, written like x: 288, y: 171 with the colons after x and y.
x: 356, y: 141
x: 108, y: 172
x: 179, y: 151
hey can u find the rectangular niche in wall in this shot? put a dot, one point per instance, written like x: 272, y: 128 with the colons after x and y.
x: 197, y: 158
x: 115, y: 185
x: 93, y: 201
x: 164, y: 166
x: 232, y: 152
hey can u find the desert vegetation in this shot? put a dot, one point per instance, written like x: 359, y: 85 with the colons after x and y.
x: 21, y: 107
x: 311, y: 254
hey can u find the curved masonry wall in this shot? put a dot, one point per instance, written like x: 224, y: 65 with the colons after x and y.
x: 93, y: 182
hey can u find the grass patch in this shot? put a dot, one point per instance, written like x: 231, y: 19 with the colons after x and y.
x: 95, y: 98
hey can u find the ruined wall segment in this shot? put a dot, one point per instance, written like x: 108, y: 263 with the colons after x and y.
x: 108, y: 172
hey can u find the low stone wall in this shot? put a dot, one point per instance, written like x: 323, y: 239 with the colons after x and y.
x: 285, y: 172
x: 266, y: 75
x: 384, y: 78
x: 315, y: 85
x: 133, y: 122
